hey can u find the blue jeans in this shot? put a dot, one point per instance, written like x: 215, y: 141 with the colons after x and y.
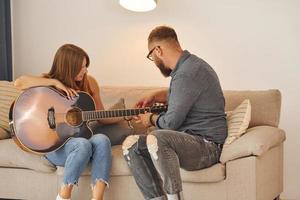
x: 77, y: 152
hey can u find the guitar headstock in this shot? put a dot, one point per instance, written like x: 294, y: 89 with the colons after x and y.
x: 158, y: 108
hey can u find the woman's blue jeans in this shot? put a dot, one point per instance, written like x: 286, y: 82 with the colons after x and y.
x: 78, y: 152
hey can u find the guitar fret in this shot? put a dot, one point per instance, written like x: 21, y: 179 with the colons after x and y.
x: 93, y: 115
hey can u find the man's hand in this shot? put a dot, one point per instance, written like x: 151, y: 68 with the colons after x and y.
x: 146, y: 101
x: 144, y: 119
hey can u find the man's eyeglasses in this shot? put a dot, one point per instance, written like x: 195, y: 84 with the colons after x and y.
x: 149, y: 56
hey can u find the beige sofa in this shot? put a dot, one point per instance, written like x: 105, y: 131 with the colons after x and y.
x: 251, y: 168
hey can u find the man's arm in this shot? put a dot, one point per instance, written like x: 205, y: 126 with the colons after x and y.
x: 184, y: 92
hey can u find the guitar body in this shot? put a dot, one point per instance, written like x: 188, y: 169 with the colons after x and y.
x: 44, y: 119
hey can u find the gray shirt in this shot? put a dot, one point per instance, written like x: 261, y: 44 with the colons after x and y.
x: 195, y: 100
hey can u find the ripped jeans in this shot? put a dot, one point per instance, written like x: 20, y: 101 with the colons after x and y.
x: 76, y: 154
x: 155, y: 160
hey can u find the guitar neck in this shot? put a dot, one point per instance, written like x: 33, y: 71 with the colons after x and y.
x: 102, y: 114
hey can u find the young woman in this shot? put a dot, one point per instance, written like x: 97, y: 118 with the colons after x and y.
x: 69, y: 74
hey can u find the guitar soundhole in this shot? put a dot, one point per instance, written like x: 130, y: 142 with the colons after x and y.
x: 74, y: 117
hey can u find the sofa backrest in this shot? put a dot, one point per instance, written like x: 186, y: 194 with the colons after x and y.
x: 265, y: 104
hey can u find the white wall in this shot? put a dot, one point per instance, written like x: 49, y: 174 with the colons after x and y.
x: 251, y: 44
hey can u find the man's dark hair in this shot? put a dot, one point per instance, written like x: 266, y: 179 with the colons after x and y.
x: 162, y: 33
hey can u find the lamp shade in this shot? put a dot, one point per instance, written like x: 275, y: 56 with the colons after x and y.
x: 138, y: 5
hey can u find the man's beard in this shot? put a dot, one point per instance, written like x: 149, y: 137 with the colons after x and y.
x: 163, y: 69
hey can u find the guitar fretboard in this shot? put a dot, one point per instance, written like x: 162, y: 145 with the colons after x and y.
x: 95, y: 115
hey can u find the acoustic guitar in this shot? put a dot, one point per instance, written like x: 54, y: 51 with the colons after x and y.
x: 43, y: 119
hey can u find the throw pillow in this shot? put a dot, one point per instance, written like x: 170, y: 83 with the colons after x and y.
x: 8, y: 93
x: 4, y: 134
x: 238, y: 121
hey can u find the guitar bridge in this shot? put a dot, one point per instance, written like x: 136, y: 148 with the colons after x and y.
x: 51, y: 118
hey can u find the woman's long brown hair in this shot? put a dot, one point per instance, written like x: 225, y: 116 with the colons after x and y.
x: 67, y: 64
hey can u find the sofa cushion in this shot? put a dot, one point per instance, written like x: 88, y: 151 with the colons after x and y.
x: 4, y: 134
x: 8, y: 93
x: 262, y: 113
x: 12, y: 156
x: 255, y: 141
x: 238, y: 121
x: 214, y: 173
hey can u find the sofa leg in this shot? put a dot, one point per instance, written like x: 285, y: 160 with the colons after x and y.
x: 277, y: 198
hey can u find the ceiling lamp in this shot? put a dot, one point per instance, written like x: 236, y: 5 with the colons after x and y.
x: 139, y: 5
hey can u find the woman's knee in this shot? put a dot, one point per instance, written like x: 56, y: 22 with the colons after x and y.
x: 100, y: 141
x: 82, y: 145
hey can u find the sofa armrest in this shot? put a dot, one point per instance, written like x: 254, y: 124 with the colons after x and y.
x: 255, y: 141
